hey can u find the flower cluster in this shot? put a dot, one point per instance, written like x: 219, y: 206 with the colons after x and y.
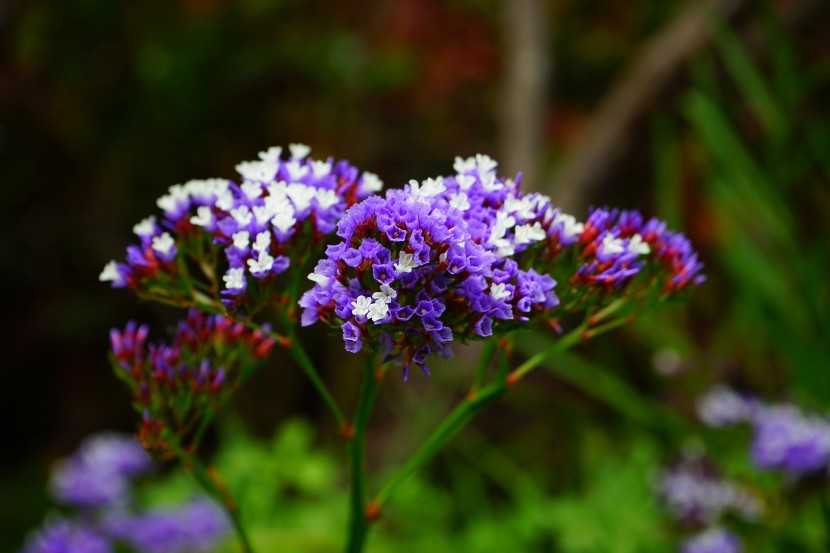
x: 693, y: 494
x: 264, y: 224
x: 784, y: 438
x: 469, y: 255
x: 408, y: 278
x: 99, y: 473
x: 179, y: 383
x: 97, y: 480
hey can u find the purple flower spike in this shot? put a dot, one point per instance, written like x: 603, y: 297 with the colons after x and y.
x: 788, y: 440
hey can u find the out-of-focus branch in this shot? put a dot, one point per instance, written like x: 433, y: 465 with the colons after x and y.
x: 604, y: 138
x: 524, y: 93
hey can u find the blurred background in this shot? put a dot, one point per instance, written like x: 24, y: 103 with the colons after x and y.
x: 714, y: 115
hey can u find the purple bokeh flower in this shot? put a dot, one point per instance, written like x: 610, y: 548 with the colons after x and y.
x: 98, y: 473
x: 713, y: 540
x: 786, y: 439
x: 65, y: 536
x: 721, y: 406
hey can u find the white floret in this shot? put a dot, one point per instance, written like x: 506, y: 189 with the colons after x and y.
x: 263, y: 240
x: 465, y: 182
x: 251, y: 189
x: 110, y: 273
x: 460, y: 201
x: 326, y: 198
x: 299, y: 151
x: 163, y: 244
x: 322, y: 280
x: 262, y: 171
x: 498, y: 292
x: 637, y: 246
x: 406, y: 262
x: 284, y: 220
x: 525, y: 234
x: 462, y: 165
x: 234, y: 279
x: 262, y: 264
x: 611, y: 246
x: 360, y: 307
x: 371, y: 182
x: 203, y: 217
x: 387, y: 294
x: 241, y: 239
x: 378, y: 310
x: 485, y: 164
x: 301, y: 195
x: 146, y: 227
x: 320, y: 169
x: 242, y: 215
x: 296, y: 170
x: 271, y: 155
x: 570, y: 228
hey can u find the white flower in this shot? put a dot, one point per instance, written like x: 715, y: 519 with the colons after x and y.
x: 498, y: 292
x: 251, y: 189
x: 263, y: 240
x: 371, y: 182
x: 485, y: 164
x: 299, y: 151
x: 637, y: 246
x: 570, y: 228
x: 146, y: 227
x: 241, y: 239
x: 296, y: 170
x: 167, y: 203
x: 272, y: 155
x: 110, y: 273
x: 522, y: 208
x: 300, y: 194
x: 387, y: 293
x: 459, y: 201
x: 320, y: 169
x: 326, y: 198
x: 263, y: 171
x: 361, y: 306
x: 611, y: 246
x: 284, y: 221
x: 234, y: 279
x: 261, y: 265
x: 489, y: 183
x: 465, y: 182
x: 503, y: 247
x: 242, y: 215
x: 428, y: 188
x: 526, y: 234
x: 462, y: 165
x: 203, y: 216
x: 224, y: 200
x: 322, y: 280
x: 378, y: 310
x: 163, y: 244
x: 406, y: 262
x: 263, y: 213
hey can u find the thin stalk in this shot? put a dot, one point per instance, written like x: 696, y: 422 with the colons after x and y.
x: 305, y: 363
x: 217, y: 491
x: 487, y: 352
x: 467, y: 409
x: 358, y: 520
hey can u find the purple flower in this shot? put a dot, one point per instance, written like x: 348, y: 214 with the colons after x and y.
x: 788, y: 440
x: 194, y: 528
x: 98, y: 473
x: 409, y: 270
x: 695, y: 495
x: 722, y: 407
x: 64, y: 536
x: 713, y: 540
x: 278, y: 211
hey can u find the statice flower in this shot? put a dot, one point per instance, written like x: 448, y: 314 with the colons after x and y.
x: 408, y: 278
x: 723, y: 407
x: 177, y: 384
x: 695, y: 495
x: 713, y: 540
x: 65, y: 536
x: 788, y: 440
x: 99, y: 473
x: 193, y: 528
x: 277, y: 213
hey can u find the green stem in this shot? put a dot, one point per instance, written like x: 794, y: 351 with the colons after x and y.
x: 217, y: 491
x: 487, y: 353
x: 302, y: 359
x: 468, y: 408
x: 358, y: 520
